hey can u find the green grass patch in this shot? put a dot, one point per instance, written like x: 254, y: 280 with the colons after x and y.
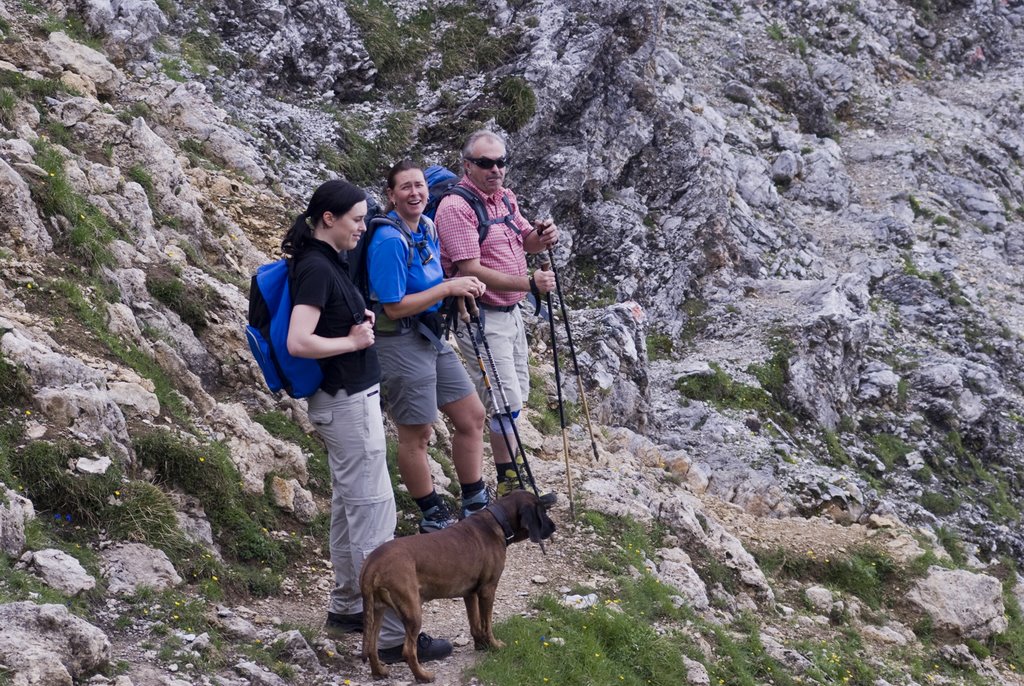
x: 364, y: 161
x: 839, y: 660
x: 953, y: 545
x: 143, y: 513
x: 74, y: 27
x: 890, y: 449
x: 598, y: 645
x: 518, y: 103
x: 774, y: 372
x: 139, y: 175
x: 15, y: 390
x: 659, y: 346
x: 33, y: 89
x: 188, y: 303
x: 866, y: 572
x: 834, y: 447
x: 719, y: 389
x: 93, y: 317
x: 240, y: 521
x: 11, y: 433
x: 172, y: 69
x: 175, y: 610
x: 939, y: 504
x: 90, y: 236
x: 1010, y: 644
x: 201, y: 49
x: 78, y: 498
x: 467, y: 46
x: 8, y: 101
x: 397, y: 49
x: 543, y: 412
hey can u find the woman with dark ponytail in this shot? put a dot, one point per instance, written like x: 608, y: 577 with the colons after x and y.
x: 330, y: 323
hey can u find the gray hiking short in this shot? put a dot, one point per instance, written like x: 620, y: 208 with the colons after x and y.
x: 416, y: 379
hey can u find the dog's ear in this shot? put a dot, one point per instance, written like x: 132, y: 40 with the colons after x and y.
x: 537, y: 522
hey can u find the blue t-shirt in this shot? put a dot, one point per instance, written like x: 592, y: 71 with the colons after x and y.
x: 386, y: 259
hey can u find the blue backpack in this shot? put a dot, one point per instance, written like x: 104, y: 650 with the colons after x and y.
x: 439, y: 181
x: 270, y: 311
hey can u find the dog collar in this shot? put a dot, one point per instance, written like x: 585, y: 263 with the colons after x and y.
x: 506, y: 526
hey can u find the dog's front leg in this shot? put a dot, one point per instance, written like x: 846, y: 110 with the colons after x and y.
x: 486, y: 599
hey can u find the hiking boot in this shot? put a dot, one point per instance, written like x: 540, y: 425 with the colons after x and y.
x: 436, y: 518
x: 475, y: 503
x: 505, y: 486
x: 337, y: 625
x: 427, y: 650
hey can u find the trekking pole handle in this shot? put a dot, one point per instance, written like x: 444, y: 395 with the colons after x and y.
x: 470, y: 303
x: 463, y: 313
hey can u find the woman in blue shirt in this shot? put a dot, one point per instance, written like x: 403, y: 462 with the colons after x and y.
x: 421, y: 373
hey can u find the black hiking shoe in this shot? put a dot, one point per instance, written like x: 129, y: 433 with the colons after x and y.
x: 428, y: 649
x: 436, y: 518
x: 337, y: 625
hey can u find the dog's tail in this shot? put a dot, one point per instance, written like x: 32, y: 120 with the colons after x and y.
x: 369, y: 617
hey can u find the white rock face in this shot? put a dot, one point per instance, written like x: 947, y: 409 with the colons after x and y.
x: 675, y: 570
x: 47, y: 645
x: 15, y: 511
x: 961, y: 602
x: 84, y: 61
x: 58, y: 570
x: 130, y: 566
x: 130, y: 26
x: 19, y: 220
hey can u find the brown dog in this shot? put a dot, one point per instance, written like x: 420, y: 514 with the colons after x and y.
x: 465, y: 560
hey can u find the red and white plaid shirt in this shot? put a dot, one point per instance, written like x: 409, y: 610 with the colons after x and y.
x: 501, y: 251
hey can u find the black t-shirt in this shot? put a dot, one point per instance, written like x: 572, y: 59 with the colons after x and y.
x: 320, y: 279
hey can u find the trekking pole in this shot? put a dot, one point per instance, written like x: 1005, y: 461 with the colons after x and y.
x: 572, y: 349
x: 472, y: 315
x: 545, y: 264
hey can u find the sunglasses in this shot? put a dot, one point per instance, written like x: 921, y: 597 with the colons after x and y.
x: 488, y: 163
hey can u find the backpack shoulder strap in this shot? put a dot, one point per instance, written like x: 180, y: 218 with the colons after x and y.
x: 482, y: 223
x: 384, y: 220
x: 509, y: 218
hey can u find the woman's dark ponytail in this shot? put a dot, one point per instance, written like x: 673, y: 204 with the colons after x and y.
x: 334, y: 196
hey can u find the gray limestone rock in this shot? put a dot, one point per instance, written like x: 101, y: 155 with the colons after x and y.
x: 130, y: 566
x: 58, y: 570
x: 19, y: 219
x: 130, y: 27
x: 675, y: 570
x: 15, y: 511
x: 45, y: 644
x: 962, y: 603
x: 786, y: 167
x: 259, y: 676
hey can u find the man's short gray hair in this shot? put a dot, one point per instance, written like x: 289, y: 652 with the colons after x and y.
x: 467, y: 149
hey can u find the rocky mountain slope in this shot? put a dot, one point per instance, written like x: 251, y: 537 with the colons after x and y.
x: 793, y: 239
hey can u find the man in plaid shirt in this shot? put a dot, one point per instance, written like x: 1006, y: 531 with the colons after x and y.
x: 500, y: 262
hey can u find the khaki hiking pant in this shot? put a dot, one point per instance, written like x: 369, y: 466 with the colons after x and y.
x: 363, y: 510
